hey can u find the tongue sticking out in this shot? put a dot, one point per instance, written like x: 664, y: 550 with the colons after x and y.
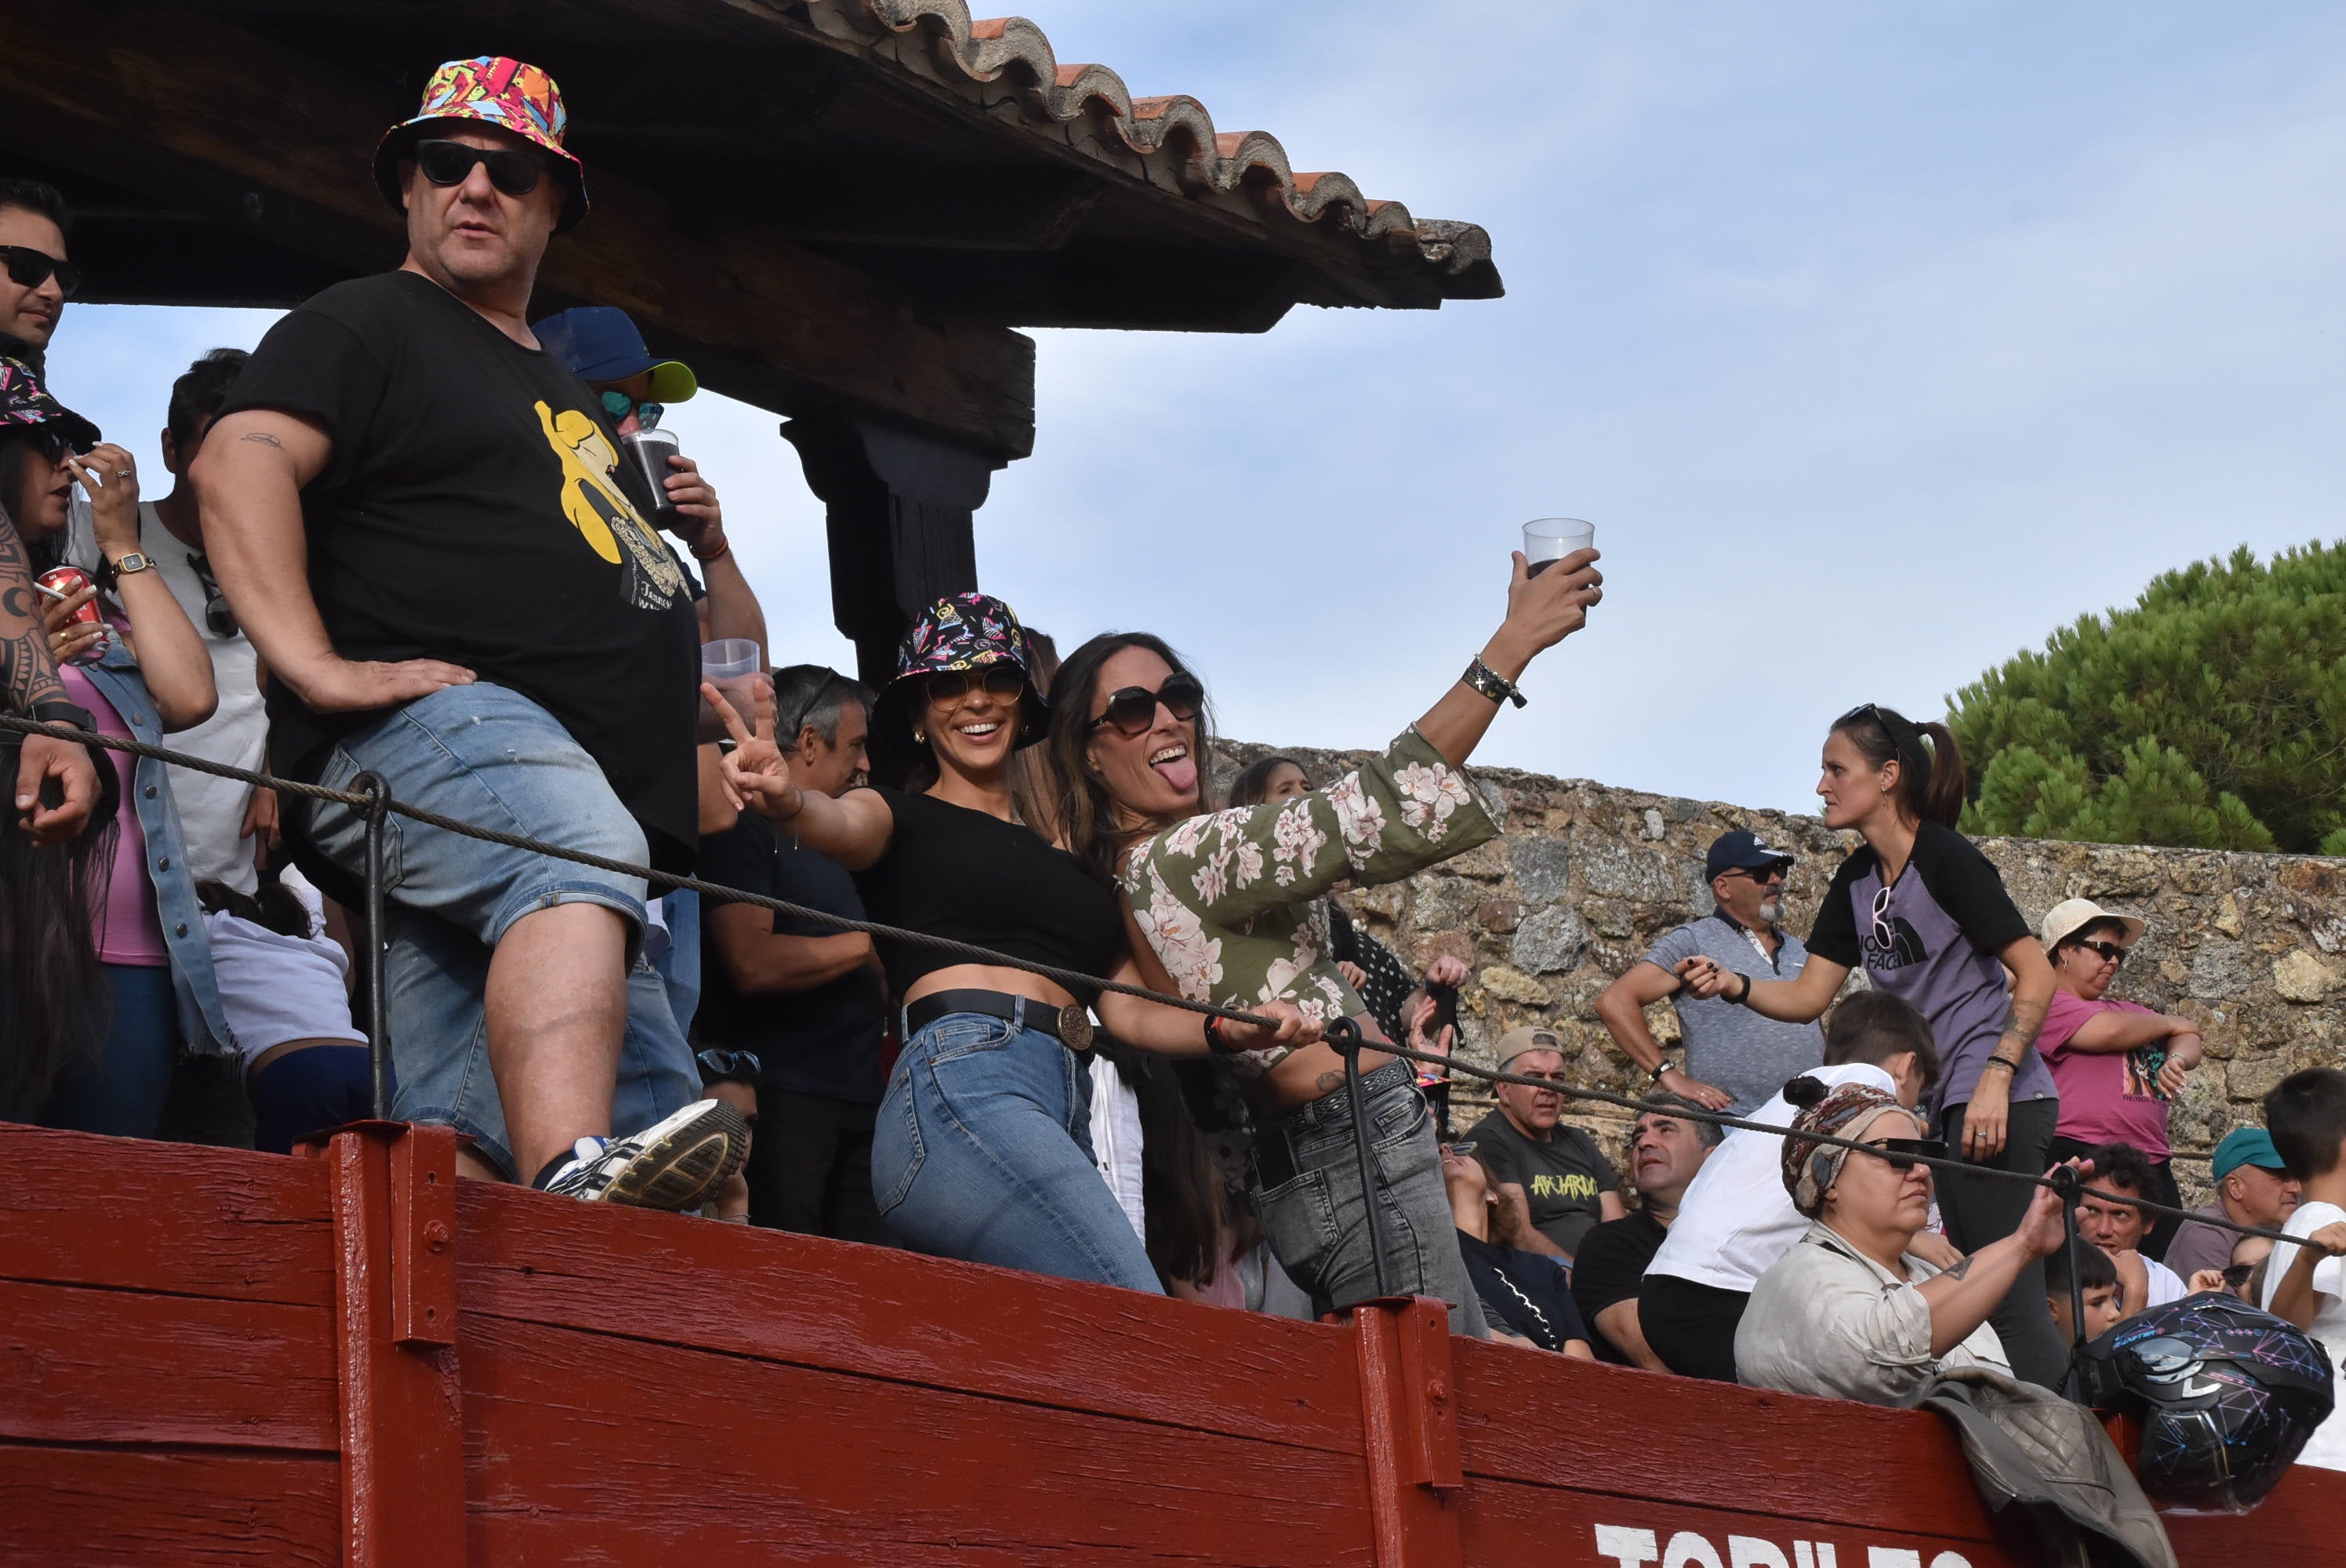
x: 1181, y: 772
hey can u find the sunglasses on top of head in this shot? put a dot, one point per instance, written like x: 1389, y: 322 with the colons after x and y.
x: 29, y: 268
x: 511, y: 170
x: 994, y: 679
x: 1133, y: 708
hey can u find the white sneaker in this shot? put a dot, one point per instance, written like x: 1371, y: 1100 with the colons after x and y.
x: 674, y: 1164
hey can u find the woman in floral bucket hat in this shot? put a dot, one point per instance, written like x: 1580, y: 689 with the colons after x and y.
x: 983, y: 1146
x: 1232, y: 906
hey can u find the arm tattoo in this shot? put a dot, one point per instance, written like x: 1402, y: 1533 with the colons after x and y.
x: 27, y: 673
x: 2022, y: 1021
x: 1959, y: 1270
x: 263, y: 437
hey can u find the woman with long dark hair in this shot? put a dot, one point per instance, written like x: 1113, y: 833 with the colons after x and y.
x: 141, y: 671
x: 983, y: 1149
x: 1230, y: 908
x: 1927, y: 914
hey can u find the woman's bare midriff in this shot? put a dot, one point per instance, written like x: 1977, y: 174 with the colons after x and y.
x: 989, y: 977
x: 1311, y: 1073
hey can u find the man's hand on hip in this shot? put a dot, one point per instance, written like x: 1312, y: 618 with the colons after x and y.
x: 346, y: 686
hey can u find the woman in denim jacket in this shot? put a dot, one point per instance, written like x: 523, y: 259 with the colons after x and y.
x: 147, y: 924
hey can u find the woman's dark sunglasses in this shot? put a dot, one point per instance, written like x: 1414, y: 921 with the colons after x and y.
x: 29, y: 268
x: 997, y: 679
x: 1900, y: 1152
x: 2108, y: 950
x: 511, y: 170
x: 1133, y: 708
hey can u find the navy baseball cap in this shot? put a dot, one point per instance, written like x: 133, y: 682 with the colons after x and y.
x: 600, y: 344
x: 1743, y: 850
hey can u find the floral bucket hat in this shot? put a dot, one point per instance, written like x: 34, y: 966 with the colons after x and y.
x: 959, y: 632
x: 24, y: 401
x: 498, y: 91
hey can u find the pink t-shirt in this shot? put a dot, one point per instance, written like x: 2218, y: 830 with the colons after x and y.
x: 2107, y: 1097
x: 127, y: 925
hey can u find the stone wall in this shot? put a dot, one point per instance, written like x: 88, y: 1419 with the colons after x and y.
x: 1586, y: 877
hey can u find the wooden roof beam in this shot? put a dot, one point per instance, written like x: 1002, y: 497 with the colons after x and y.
x: 215, y: 120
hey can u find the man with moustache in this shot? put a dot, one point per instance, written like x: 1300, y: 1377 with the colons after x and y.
x: 1736, y: 1060
x: 421, y: 520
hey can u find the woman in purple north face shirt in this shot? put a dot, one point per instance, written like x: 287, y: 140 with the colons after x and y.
x: 1927, y: 914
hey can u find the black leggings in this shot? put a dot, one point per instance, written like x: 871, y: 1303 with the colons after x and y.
x: 1979, y: 1210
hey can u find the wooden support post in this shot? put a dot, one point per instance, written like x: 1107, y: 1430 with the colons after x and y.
x: 403, y: 1438
x: 1409, y: 1412
x: 901, y: 513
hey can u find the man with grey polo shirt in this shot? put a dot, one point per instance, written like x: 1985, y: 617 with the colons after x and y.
x: 1735, y: 1059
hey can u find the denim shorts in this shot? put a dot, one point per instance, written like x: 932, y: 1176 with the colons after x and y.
x: 489, y: 756
x: 983, y: 1151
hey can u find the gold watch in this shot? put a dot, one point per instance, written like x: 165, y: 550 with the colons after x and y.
x: 135, y: 561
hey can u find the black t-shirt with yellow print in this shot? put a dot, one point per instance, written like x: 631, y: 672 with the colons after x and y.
x: 477, y: 509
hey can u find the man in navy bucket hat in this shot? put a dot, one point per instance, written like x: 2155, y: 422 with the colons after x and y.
x: 422, y: 522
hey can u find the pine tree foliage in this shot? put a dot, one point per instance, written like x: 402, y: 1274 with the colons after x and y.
x: 2212, y: 713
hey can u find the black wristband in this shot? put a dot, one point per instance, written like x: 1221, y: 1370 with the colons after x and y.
x: 1660, y: 1071
x: 1743, y: 997
x: 1214, y: 1041
x: 1490, y: 683
x: 56, y: 710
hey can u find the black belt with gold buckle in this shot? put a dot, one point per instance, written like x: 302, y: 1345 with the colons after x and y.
x: 1071, y: 1026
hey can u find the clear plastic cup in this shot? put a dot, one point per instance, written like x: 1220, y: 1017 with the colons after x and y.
x: 1547, y: 540
x: 649, y: 450
x: 731, y: 665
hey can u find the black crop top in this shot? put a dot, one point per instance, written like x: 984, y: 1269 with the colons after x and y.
x: 971, y: 876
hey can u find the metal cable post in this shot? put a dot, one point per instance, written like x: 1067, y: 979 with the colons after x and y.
x: 2065, y: 1183
x: 1344, y: 1036
x: 377, y: 811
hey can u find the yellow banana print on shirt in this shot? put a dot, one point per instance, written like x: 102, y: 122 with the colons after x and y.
x: 602, y: 513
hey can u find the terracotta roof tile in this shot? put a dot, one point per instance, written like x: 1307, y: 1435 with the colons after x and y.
x: 1200, y: 159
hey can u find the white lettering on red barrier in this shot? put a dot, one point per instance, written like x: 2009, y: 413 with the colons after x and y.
x: 1632, y: 1548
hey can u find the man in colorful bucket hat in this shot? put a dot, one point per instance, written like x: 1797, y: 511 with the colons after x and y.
x: 422, y: 521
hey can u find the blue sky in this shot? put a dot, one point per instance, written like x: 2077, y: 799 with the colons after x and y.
x: 1877, y: 341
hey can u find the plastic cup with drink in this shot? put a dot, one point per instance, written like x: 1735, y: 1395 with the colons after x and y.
x: 649, y: 450
x: 731, y: 665
x: 1547, y: 540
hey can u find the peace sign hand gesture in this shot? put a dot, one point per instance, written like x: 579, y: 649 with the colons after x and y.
x: 757, y: 775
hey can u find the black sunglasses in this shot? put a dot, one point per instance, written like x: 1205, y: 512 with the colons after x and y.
x: 511, y: 170
x: 1133, y: 708
x: 1900, y: 1152
x: 718, y: 1066
x: 2237, y: 1274
x: 996, y: 679
x: 1773, y: 872
x: 2108, y: 950
x: 29, y: 268
x: 218, y: 617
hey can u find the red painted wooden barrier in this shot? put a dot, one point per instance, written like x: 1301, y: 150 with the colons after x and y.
x: 209, y: 1357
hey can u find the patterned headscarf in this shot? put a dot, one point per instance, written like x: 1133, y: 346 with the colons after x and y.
x: 1810, y: 1167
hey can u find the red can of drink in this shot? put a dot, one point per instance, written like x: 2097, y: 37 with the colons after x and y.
x: 64, y: 583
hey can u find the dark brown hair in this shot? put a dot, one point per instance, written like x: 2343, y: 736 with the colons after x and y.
x: 1253, y: 782
x: 1930, y: 780
x: 1873, y: 1026
x: 2306, y: 1115
x: 1082, y: 809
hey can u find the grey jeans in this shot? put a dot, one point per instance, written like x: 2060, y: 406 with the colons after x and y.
x: 1308, y: 1189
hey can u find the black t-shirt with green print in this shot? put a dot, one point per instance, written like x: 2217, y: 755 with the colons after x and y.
x: 477, y: 509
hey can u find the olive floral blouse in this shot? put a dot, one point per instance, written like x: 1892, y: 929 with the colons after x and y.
x: 1232, y: 901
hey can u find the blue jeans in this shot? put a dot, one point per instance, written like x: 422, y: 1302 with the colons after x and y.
x: 488, y: 756
x: 121, y: 1094
x: 983, y: 1151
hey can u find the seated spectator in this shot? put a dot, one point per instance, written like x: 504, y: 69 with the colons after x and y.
x: 1851, y: 1312
x: 2244, y: 1276
x: 808, y: 998
x: 1554, y: 1170
x: 1523, y: 1298
x: 1735, y: 1059
x: 2117, y: 1064
x: 285, y: 987
x: 2306, y: 1282
x: 1666, y: 1152
x: 2097, y: 1277
x: 1735, y: 1220
x: 2118, y: 1228
x: 2252, y: 1188
x: 138, y: 670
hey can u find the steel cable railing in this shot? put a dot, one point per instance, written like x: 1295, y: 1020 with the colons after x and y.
x: 373, y: 800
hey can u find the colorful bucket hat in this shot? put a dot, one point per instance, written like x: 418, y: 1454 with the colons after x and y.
x: 600, y: 344
x: 498, y: 91
x: 24, y: 401
x: 959, y: 632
